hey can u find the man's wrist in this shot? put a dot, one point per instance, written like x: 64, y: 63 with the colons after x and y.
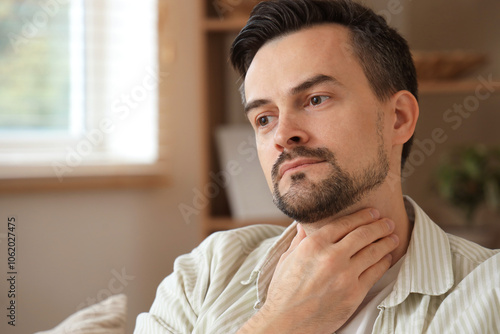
x: 265, y: 322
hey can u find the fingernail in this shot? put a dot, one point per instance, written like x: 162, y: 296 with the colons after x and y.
x: 375, y: 214
x: 395, y: 238
x: 390, y: 223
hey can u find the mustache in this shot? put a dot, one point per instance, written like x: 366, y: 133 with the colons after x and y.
x: 321, y: 153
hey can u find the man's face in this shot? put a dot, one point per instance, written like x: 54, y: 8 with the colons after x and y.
x: 319, y: 127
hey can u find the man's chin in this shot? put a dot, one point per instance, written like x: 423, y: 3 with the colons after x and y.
x: 304, y: 210
x: 297, y: 182
x: 302, y: 204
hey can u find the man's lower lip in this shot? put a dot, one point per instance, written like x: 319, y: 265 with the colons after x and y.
x: 299, y: 167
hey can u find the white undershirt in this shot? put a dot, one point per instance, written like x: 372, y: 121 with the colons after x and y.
x: 363, y: 319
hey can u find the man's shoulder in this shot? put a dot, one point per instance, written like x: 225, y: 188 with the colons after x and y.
x: 465, y: 255
x: 241, y: 241
x: 474, y: 262
x: 470, y: 251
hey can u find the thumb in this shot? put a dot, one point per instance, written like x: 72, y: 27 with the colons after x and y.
x: 301, y: 234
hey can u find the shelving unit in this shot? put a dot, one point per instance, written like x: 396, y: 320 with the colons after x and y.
x: 217, y: 34
x: 451, y: 87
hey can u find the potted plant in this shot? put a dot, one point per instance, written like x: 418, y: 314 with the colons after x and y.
x: 469, y: 177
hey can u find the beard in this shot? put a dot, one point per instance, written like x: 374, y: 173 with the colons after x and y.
x: 308, y: 202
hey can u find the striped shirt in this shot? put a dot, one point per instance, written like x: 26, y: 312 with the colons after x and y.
x: 445, y: 285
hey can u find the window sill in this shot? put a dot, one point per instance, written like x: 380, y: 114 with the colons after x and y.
x: 91, y: 177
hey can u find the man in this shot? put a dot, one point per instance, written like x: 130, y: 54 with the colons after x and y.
x: 331, y: 93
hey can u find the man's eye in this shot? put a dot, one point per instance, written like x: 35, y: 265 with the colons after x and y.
x: 317, y: 100
x: 263, y: 120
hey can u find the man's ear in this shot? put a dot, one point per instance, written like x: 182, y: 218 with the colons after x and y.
x: 406, y: 110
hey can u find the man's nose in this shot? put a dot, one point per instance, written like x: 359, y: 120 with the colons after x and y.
x: 290, y: 131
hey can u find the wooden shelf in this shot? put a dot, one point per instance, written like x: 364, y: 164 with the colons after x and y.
x: 452, y: 87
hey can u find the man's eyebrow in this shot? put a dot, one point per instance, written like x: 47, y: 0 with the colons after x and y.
x: 255, y: 104
x: 311, y: 82
x: 315, y: 80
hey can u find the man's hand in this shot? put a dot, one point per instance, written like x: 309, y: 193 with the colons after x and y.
x: 322, y: 278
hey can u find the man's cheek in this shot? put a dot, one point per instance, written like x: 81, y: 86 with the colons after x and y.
x: 267, y: 158
x: 266, y: 168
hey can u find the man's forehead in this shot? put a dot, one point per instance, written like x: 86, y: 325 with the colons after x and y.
x: 312, y: 49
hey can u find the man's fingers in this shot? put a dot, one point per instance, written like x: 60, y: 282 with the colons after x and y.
x: 366, y: 235
x: 371, y: 275
x: 338, y: 229
x: 374, y: 252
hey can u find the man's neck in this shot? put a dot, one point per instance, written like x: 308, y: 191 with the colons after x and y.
x: 390, y: 204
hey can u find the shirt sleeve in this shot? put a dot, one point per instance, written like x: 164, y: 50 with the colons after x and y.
x: 180, y: 295
x: 208, y: 281
x: 481, y: 301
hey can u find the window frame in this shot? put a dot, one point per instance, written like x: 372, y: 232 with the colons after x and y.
x: 103, y: 175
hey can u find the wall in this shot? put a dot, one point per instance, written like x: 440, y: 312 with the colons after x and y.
x: 451, y: 25
x: 447, y: 25
x: 73, y: 244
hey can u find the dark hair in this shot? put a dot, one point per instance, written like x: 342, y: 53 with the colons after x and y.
x: 383, y: 54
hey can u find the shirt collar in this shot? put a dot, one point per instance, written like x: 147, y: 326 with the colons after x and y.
x: 264, y: 270
x: 428, y: 253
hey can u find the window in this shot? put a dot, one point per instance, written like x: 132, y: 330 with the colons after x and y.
x: 79, y: 88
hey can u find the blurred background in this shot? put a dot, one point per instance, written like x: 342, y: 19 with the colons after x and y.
x: 109, y: 158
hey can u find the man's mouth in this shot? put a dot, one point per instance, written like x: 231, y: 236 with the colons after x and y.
x: 296, y: 164
x: 297, y: 158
